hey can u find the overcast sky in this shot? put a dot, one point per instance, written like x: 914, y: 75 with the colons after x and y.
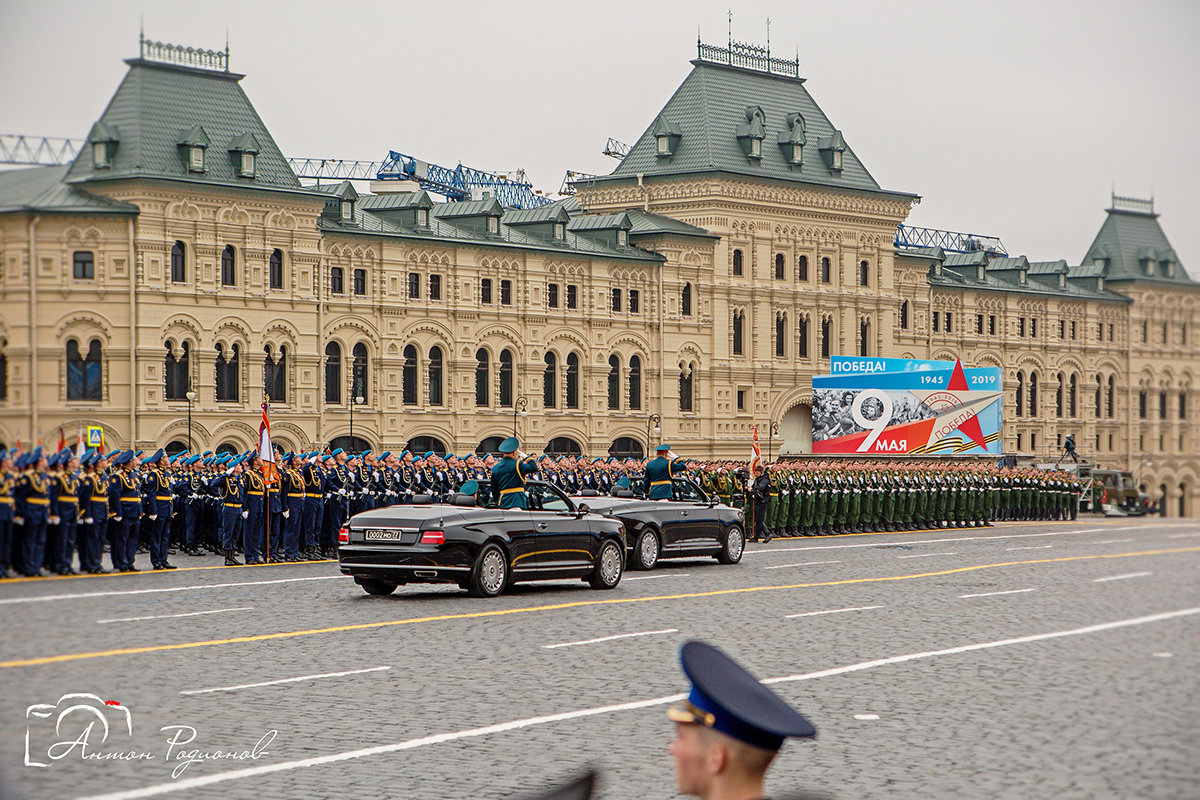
x: 1011, y: 119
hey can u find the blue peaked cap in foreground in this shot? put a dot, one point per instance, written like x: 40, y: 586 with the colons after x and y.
x: 727, y: 698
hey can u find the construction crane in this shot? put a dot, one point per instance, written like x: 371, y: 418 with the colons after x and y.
x: 571, y: 177
x: 461, y: 183
x: 334, y: 169
x: 615, y: 149
x: 47, y: 151
x: 949, y: 241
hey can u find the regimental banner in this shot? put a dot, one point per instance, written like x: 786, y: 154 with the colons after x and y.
x: 907, y: 407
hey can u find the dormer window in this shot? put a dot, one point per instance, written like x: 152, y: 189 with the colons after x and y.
x: 832, y: 148
x: 664, y: 145
x: 493, y: 225
x: 666, y: 137
x: 244, y: 150
x: 1062, y: 280
x: 100, y: 155
x: 837, y: 160
x: 103, y: 139
x: 622, y: 237
x: 347, y: 210
x: 194, y: 142
x: 560, y: 231
x: 756, y: 148
x: 196, y: 159
x: 422, y: 218
x: 979, y: 273
x: 752, y: 132
x: 247, y: 170
x: 792, y: 140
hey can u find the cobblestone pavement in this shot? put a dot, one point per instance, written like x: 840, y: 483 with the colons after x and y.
x: 953, y: 663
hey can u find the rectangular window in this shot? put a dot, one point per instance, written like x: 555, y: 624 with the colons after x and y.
x: 803, y: 351
x: 1142, y: 405
x: 572, y: 296
x: 1100, y: 331
x: 1110, y: 441
x: 414, y: 285
x: 616, y: 299
x: 949, y: 323
x: 1021, y: 326
x: 937, y: 320
x: 506, y: 293
x: 1020, y: 442
x: 634, y: 301
x: 85, y: 265
x: 979, y: 324
x: 1062, y: 329
x: 991, y: 324
x: 741, y: 399
x: 552, y: 295
x: 360, y: 281
x: 1033, y: 442
x: 1033, y: 328
x: 1073, y: 330
x: 826, y: 334
x: 1110, y: 331
x: 485, y: 290
x: 1183, y: 404
x: 435, y: 287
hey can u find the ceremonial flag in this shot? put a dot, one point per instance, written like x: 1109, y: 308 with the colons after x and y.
x: 265, y: 451
x: 62, y: 440
x: 80, y: 444
x: 755, y: 453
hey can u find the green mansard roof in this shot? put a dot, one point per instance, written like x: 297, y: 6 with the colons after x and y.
x: 1132, y: 245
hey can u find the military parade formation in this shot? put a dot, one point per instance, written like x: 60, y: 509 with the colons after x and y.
x: 60, y: 512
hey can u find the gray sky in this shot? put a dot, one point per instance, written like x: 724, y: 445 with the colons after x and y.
x: 1012, y: 119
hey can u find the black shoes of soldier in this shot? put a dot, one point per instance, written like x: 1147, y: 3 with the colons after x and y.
x: 231, y: 559
x: 165, y: 565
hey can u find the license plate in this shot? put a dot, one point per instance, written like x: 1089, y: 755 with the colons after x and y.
x: 378, y: 535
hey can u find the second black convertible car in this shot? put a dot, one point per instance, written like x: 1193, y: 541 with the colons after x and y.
x: 482, y: 549
x: 689, y: 524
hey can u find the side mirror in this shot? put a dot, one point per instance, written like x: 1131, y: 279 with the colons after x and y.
x: 582, y: 509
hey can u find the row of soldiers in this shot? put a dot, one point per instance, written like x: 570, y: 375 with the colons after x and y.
x: 54, y: 506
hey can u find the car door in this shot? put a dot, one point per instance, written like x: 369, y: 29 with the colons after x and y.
x: 566, y: 545
x: 697, y: 523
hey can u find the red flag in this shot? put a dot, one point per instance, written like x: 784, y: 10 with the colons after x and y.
x: 62, y: 440
x: 755, y: 452
x: 265, y: 451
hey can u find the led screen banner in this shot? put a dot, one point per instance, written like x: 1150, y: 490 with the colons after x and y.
x: 907, y: 407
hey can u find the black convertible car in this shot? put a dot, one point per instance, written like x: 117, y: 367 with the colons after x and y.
x: 689, y: 524
x: 482, y: 549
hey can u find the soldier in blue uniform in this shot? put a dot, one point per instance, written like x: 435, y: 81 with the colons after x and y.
x: 660, y: 472
x: 126, y: 501
x: 230, y: 493
x: 93, y: 505
x: 292, y: 495
x: 64, y: 508
x: 314, y: 496
x: 160, y: 500
x: 189, y: 487
x: 508, y: 476
x: 337, y: 492
x: 254, y: 506
x: 33, y: 509
x: 7, y: 511
x: 730, y: 727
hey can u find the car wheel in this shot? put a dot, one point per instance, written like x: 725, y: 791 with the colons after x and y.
x: 609, y: 566
x: 645, y: 552
x: 490, y: 573
x: 733, y: 546
x: 373, y: 586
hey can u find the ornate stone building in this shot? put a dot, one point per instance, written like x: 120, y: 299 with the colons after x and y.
x: 691, y: 293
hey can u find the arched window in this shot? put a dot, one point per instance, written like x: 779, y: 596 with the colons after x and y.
x: 781, y: 334
x: 685, y: 300
x: 825, y: 270
x: 358, y: 375
x: 84, y: 373
x: 1020, y: 394
x: 573, y: 380
x: 337, y: 281
x: 333, y: 373
x: 482, y: 377
x: 435, y: 376
x: 802, y: 267
x: 864, y: 337
x: 737, y: 262
x: 172, y: 448
x: 904, y: 315
x: 227, y: 374
x: 550, y: 382
x: 635, y: 383
x: 489, y: 446
x: 1033, y: 394
x: 686, y: 372
x: 780, y: 267
x: 826, y: 335
x: 275, y: 268
x: 1110, y: 396
x: 351, y: 444
x: 275, y: 375
x: 178, y: 265
x: 1073, y: 396
x: 423, y: 444
x: 228, y: 273
x: 739, y: 318
x: 626, y: 447
x: 506, y: 378
x: 1059, y: 394
x: 409, y: 376
x: 1162, y: 404
x: 803, y: 353
x: 563, y: 446
x: 614, y: 383
x: 864, y: 273
x: 175, y: 370
x: 1099, y: 387
x: 226, y: 448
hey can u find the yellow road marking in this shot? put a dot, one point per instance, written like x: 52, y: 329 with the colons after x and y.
x: 118, y: 574
x: 33, y: 662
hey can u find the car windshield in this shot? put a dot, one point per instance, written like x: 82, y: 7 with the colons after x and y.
x: 540, y: 497
x: 687, y: 492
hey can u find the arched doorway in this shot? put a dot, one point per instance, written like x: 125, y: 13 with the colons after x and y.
x: 420, y: 445
x: 489, y: 446
x: 627, y: 447
x: 350, y: 444
x: 563, y: 446
x: 796, y: 431
x: 175, y: 447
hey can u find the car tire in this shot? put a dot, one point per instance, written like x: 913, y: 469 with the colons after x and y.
x: 609, y: 566
x: 646, y: 551
x: 378, y: 587
x: 489, y: 576
x: 733, y: 546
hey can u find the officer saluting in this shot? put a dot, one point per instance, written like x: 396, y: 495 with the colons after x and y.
x: 508, y: 476
x: 729, y: 729
x: 660, y: 471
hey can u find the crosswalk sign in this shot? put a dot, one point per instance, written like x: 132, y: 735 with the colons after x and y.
x: 95, y: 436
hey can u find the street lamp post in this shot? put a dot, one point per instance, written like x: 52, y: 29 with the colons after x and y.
x: 772, y: 432
x: 191, y: 396
x: 652, y: 423
x: 355, y: 400
x: 519, y: 407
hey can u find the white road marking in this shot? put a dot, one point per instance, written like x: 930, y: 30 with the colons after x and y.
x: 866, y: 716
x: 1122, y: 577
x: 503, y: 727
x: 610, y: 638
x: 992, y: 594
x: 1181, y: 535
x: 1031, y: 547
x: 927, y: 555
x: 197, y: 587
x: 658, y: 577
x: 1110, y: 541
x: 283, y: 680
x: 804, y: 564
x: 172, y: 616
x: 830, y: 611
x: 1163, y: 655
x: 884, y: 543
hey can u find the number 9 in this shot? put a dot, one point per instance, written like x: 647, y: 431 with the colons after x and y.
x: 875, y: 426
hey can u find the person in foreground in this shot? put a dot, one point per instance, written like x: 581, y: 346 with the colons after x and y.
x: 729, y: 729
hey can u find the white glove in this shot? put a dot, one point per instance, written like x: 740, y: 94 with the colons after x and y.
x: 18, y: 520
x: 229, y: 471
x: 375, y: 474
x: 153, y: 517
x: 342, y: 492
x: 118, y: 519
x: 287, y: 514
x: 87, y: 520
x: 55, y: 520
x: 245, y: 514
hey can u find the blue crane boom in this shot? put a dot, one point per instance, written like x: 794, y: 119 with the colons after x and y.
x: 460, y: 183
x: 949, y: 241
